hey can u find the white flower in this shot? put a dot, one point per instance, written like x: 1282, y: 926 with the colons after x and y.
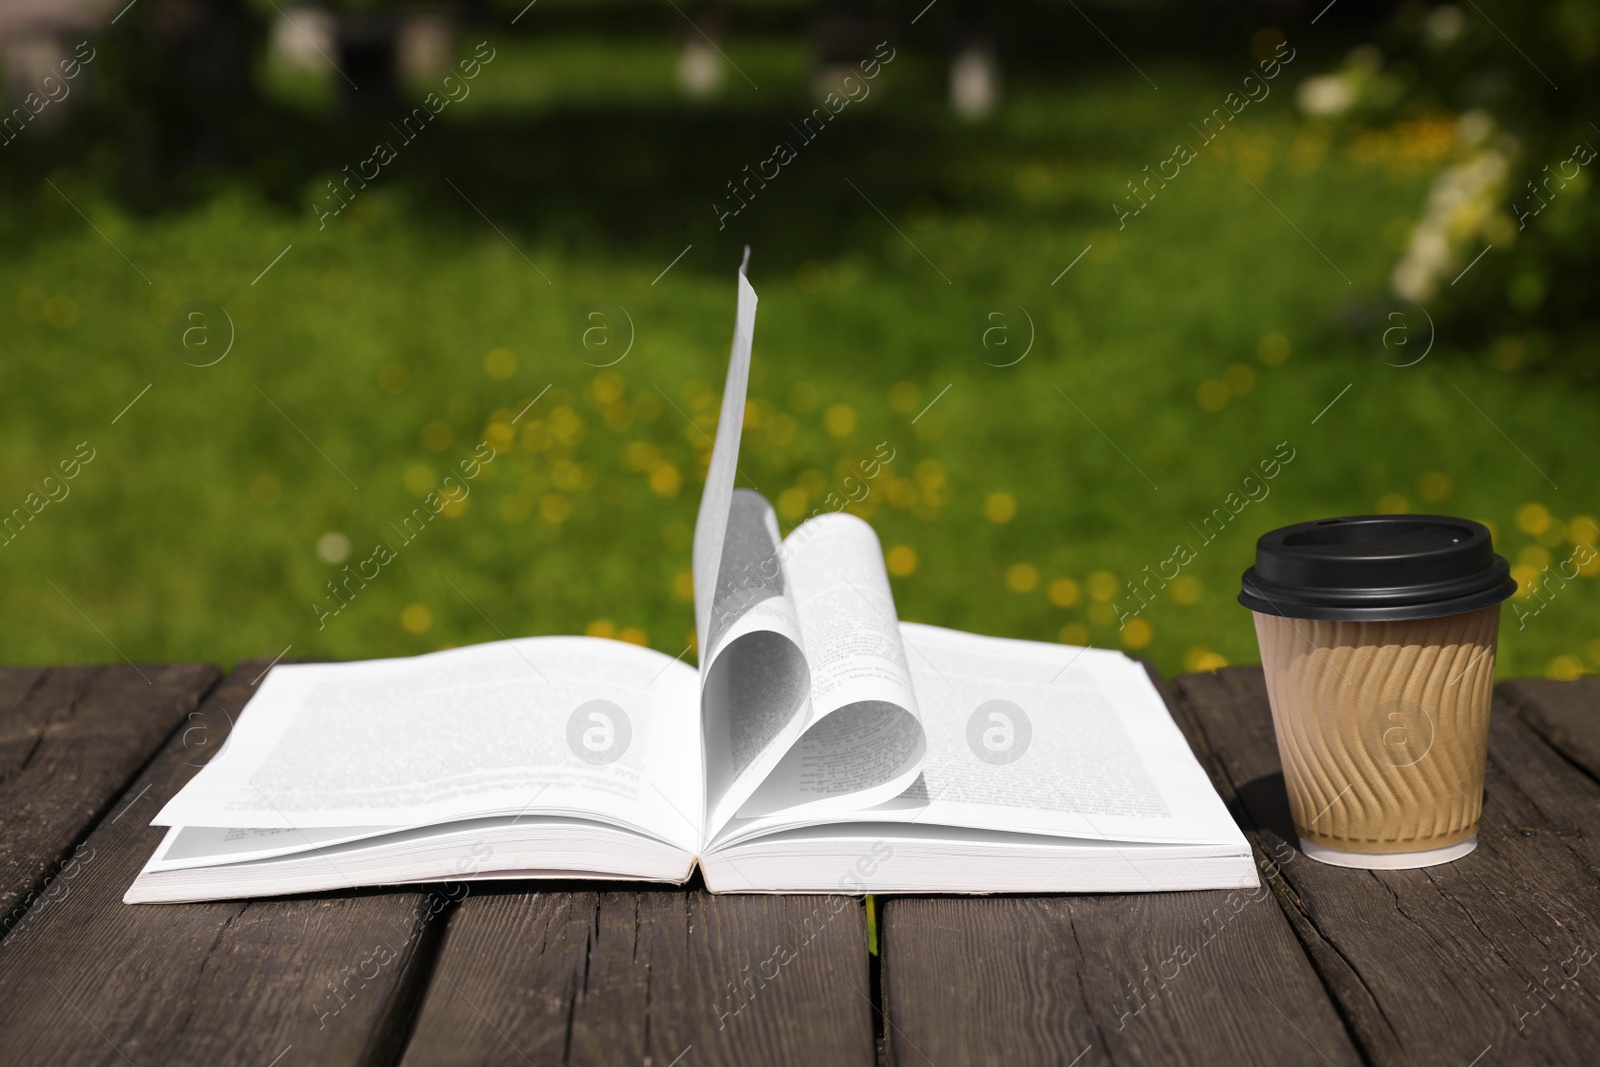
x: 1444, y: 24
x: 1325, y: 95
x: 1475, y: 126
x: 333, y: 547
x: 1461, y: 203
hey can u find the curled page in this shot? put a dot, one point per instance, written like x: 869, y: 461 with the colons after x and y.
x: 754, y: 685
x: 865, y: 742
x: 807, y: 708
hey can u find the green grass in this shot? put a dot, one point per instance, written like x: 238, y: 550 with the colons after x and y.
x: 360, y: 361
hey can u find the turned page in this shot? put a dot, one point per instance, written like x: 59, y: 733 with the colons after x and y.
x: 864, y: 742
x: 1045, y: 738
x: 794, y: 713
x: 716, y: 500
x: 753, y: 673
x: 754, y: 687
x: 563, y: 726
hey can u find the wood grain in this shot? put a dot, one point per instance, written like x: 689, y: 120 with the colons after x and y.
x: 86, y: 979
x: 1153, y: 978
x: 1450, y: 963
x: 656, y: 976
x: 1566, y: 714
x: 71, y: 738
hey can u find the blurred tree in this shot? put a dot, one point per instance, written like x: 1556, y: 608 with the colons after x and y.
x: 177, y: 82
x: 1523, y: 78
x: 368, y: 59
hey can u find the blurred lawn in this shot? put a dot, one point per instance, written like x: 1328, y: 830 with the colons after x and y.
x: 375, y: 356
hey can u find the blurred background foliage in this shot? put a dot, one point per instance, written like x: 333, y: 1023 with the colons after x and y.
x: 1351, y: 273
x: 1521, y: 79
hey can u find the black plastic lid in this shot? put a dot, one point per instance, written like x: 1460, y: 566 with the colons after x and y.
x: 1376, y: 568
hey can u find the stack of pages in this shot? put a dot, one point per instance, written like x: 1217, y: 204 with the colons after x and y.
x: 821, y: 746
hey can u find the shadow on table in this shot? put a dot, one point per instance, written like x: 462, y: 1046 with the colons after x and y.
x: 1266, y: 804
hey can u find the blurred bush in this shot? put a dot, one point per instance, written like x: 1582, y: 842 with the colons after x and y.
x: 1518, y: 79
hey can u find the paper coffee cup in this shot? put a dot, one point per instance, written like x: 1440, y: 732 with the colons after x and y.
x: 1377, y: 638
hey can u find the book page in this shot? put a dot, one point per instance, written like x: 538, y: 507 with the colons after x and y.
x: 711, y: 524
x: 572, y: 726
x: 1029, y: 736
x: 754, y: 692
x: 796, y: 710
x: 865, y: 741
x: 194, y: 846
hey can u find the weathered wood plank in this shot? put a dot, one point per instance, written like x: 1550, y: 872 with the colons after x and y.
x: 86, y: 979
x: 656, y: 976
x: 70, y: 740
x: 1449, y: 963
x: 1158, y: 978
x: 1566, y: 714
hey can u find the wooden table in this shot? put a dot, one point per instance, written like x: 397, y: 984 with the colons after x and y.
x: 1491, y: 960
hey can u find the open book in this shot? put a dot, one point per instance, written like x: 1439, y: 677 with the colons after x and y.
x: 821, y: 746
